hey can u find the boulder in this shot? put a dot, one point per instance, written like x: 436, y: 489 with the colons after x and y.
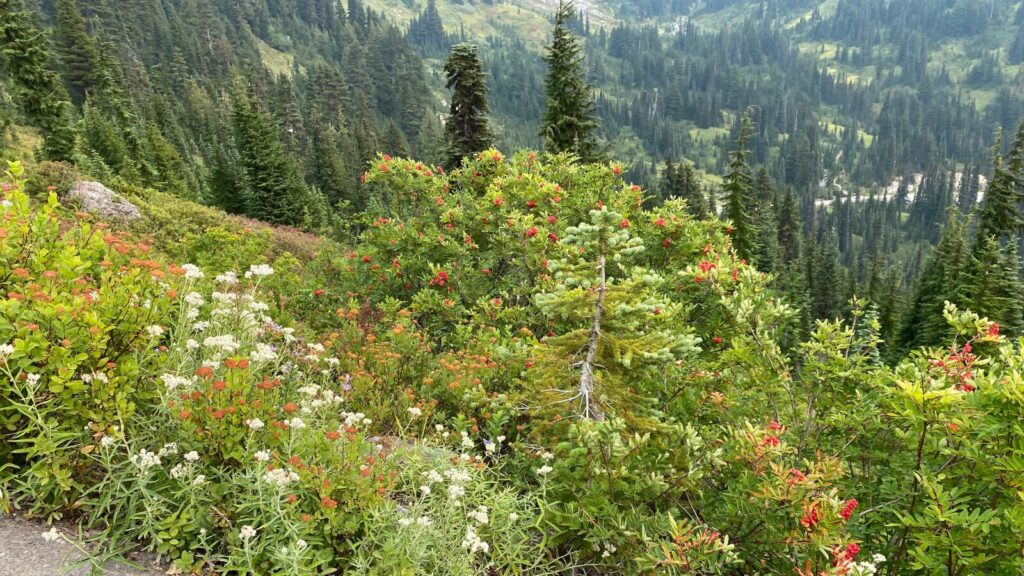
x: 97, y: 199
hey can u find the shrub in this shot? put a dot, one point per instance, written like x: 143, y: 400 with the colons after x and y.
x: 46, y: 177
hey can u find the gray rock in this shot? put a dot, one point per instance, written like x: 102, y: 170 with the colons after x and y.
x: 98, y: 199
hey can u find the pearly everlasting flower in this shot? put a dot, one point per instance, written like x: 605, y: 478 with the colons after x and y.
x: 544, y: 470
x: 106, y: 441
x: 192, y: 344
x: 192, y: 272
x: 480, y: 515
x: 192, y: 456
x: 194, y: 299
x: 473, y: 543
x: 404, y: 522
x: 173, y: 381
x: 145, y: 460
x: 52, y: 535
x: 199, y: 480
x: 226, y: 343
x: 280, y: 477
x: 33, y: 379
x: 262, y: 456
x: 169, y: 448
x: 424, y: 521
x: 263, y: 353
x: 6, y: 350
x: 179, y: 471
x: 254, y: 424
x: 415, y: 412
x: 155, y: 331
x: 228, y: 278
x: 259, y: 270
x: 513, y: 516
x: 425, y: 490
x: 439, y: 427
x: 433, y: 476
x: 456, y: 491
x: 247, y: 533
x: 466, y: 441
x: 200, y: 326
x: 296, y: 423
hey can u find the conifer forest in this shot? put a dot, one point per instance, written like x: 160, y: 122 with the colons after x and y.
x: 513, y: 287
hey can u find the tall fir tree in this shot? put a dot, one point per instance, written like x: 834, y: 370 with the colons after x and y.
x: 940, y: 281
x: 275, y: 191
x: 570, y: 121
x: 25, y: 54
x: 990, y: 285
x: 77, y: 51
x: 467, y: 130
x: 999, y: 214
x: 737, y: 187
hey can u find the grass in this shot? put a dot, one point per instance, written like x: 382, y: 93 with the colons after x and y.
x: 276, y: 61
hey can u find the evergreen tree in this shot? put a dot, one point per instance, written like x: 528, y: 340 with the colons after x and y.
x: 466, y: 130
x: 570, y: 122
x: 991, y: 286
x: 826, y: 283
x: 766, y: 240
x: 76, y: 49
x: 275, y: 191
x: 999, y: 215
x: 737, y: 187
x: 610, y: 315
x: 940, y: 281
x: 25, y: 55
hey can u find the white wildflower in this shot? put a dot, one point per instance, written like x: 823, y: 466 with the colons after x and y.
x: 456, y: 491
x: 262, y: 456
x: 155, y: 331
x: 173, y: 381
x: 254, y: 424
x: 192, y: 456
x: 145, y: 460
x: 259, y: 270
x: 415, y: 412
x: 52, y: 535
x: 228, y: 278
x: 194, y: 299
x: 425, y: 490
x: 169, y: 448
x: 296, y: 423
x: 6, y: 350
x: 280, y: 477
x: 513, y: 516
x: 200, y: 326
x: 33, y: 379
x: 544, y: 470
x: 247, y: 532
x: 403, y: 522
x: 192, y: 272
x: 199, y: 480
x: 179, y: 471
x: 473, y: 543
x: 263, y: 353
x: 433, y: 476
x: 106, y: 441
x: 192, y: 344
x: 424, y: 521
x: 480, y: 515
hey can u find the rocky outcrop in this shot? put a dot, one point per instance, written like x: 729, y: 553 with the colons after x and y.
x: 97, y: 199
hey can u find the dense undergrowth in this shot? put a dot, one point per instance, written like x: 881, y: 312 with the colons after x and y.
x: 514, y: 368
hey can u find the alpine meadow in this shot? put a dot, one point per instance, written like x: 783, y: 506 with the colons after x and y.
x: 512, y: 287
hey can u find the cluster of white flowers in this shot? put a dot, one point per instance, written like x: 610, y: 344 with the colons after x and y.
x: 466, y: 442
x: 228, y: 278
x: 168, y: 449
x: 145, y: 460
x: 280, y: 477
x: 473, y: 543
x: 97, y: 376
x: 6, y: 350
x: 545, y: 469
x: 295, y: 423
x: 155, y: 331
x: 415, y: 412
x: 257, y: 270
x: 316, y: 397
x: 173, y: 381
x: 480, y: 515
x: 33, y: 379
x: 423, y: 521
x: 263, y: 353
x: 192, y: 456
x: 354, y: 418
x: 194, y: 299
x: 254, y: 424
x: 247, y: 533
x: 200, y: 326
x: 52, y: 535
x: 192, y: 344
x: 262, y: 456
x: 609, y: 549
x: 867, y: 568
x: 192, y: 272
x: 225, y: 343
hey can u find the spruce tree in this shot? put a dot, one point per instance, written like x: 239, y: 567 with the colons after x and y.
x: 737, y: 187
x: 76, y: 49
x: 275, y: 190
x: 999, y: 215
x: 991, y: 286
x: 611, y: 319
x: 466, y: 131
x: 940, y: 281
x: 25, y: 55
x: 570, y: 121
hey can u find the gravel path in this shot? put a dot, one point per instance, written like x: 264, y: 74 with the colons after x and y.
x: 24, y: 552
